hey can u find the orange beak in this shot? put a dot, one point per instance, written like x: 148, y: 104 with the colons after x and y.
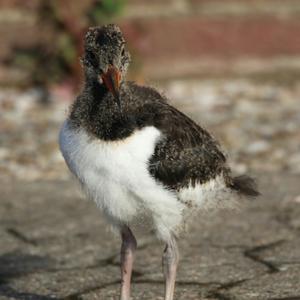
x: 111, y: 80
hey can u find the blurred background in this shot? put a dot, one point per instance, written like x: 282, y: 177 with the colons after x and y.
x: 233, y: 65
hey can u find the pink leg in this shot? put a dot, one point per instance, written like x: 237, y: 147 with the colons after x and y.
x: 127, y: 255
x: 170, y: 263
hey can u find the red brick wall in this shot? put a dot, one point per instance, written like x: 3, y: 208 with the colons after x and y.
x: 174, y: 32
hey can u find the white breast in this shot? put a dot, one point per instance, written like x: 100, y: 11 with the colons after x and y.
x: 115, y: 175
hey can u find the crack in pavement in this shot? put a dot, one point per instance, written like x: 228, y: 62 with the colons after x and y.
x: 220, y: 296
x: 225, y: 286
x: 20, y: 236
x: 7, y: 291
x: 253, y: 254
x: 232, y: 284
x: 78, y: 295
x: 297, y: 297
x: 106, y: 262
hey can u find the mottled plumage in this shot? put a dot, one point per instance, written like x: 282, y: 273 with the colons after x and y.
x: 188, y: 153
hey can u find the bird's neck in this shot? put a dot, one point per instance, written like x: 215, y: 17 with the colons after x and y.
x: 92, y: 81
x: 87, y: 101
x: 96, y: 111
x: 94, y: 86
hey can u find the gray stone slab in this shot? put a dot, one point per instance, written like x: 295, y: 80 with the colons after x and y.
x: 282, y: 255
x: 200, y: 265
x: 271, y: 286
x: 55, y: 245
x: 150, y: 291
x: 59, y: 284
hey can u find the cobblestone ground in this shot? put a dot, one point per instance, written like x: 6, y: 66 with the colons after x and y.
x: 55, y: 245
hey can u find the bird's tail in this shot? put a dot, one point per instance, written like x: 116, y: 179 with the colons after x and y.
x: 245, y: 185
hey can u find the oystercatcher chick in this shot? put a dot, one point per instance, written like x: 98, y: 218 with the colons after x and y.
x: 134, y: 154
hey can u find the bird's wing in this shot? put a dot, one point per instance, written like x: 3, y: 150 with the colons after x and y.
x: 187, y: 153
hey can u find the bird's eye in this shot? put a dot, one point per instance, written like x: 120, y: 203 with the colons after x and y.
x: 91, y: 58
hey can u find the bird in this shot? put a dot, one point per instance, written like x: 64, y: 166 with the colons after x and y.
x: 136, y: 155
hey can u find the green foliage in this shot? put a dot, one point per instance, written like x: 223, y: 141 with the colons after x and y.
x: 42, y: 66
x: 53, y: 61
x: 103, y: 11
x: 66, y: 48
x: 25, y: 59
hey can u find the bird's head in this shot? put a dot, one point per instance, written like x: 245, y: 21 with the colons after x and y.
x: 106, y: 58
